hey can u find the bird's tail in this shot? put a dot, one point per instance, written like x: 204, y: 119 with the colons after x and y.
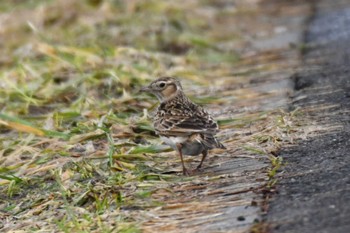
x: 221, y: 146
x: 212, y: 142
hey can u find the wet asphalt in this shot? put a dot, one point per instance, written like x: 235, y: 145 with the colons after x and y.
x: 314, y: 187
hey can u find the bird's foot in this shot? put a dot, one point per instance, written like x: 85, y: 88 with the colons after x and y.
x: 187, y: 172
x: 198, y: 168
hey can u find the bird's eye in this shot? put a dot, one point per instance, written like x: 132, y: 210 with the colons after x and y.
x: 161, y: 84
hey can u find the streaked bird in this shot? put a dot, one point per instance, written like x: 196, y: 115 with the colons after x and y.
x: 182, y: 124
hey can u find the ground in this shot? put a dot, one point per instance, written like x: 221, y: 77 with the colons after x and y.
x: 313, y: 193
x: 77, y: 149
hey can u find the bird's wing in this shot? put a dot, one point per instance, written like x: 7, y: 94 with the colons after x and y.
x: 174, y: 125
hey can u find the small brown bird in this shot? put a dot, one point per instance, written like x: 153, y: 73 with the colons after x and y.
x: 180, y: 123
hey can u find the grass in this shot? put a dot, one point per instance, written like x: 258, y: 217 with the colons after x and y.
x: 77, y: 148
x: 75, y: 134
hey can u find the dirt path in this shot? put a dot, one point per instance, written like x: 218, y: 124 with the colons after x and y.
x: 314, y: 194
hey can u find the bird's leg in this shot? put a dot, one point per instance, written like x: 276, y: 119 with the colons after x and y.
x: 204, y: 153
x: 184, y: 170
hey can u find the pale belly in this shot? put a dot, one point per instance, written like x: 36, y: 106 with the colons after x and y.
x: 188, y: 148
x: 172, y: 141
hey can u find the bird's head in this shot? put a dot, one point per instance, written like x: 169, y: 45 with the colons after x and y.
x: 164, y: 88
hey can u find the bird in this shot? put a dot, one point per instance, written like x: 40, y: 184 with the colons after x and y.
x: 183, y: 125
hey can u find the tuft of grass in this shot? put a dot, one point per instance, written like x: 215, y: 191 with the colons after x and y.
x: 276, y: 164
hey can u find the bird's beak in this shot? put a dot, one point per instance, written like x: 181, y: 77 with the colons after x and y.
x: 145, y: 89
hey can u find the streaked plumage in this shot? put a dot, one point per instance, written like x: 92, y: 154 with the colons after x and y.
x: 180, y: 123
